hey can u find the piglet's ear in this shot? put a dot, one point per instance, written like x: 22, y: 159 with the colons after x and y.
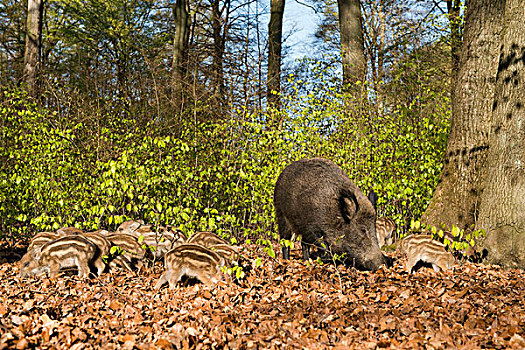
x: 134, y: 226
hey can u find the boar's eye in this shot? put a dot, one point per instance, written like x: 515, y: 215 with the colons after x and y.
x: 26, y: 264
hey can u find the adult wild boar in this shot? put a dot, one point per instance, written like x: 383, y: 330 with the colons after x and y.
x: 314, y: 198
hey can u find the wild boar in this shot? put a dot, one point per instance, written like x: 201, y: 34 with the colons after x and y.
x: 66, y: 231
x: 103, y: 249
x: 314, y: 198
x: 65, y: 252
x: 385, y: 228
x: 192, y: 260
x: 40, y: 239
x: 422, y: 247
x: 227, y: 251
x: 131, y: 251
x: 206, y: 239
x: 161, y: 240
x: 129, y: 226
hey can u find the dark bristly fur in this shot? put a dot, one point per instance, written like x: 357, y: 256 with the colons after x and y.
x: 315, y: 199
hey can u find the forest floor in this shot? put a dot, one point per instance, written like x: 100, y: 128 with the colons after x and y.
x: 279, y: 304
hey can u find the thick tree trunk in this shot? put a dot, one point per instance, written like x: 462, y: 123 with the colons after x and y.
x: 502, y: 212
x: 275, y: 33
x: 352, y: 46
x: 456, y: 199
x: 32, y: 59
x: 180, y: 43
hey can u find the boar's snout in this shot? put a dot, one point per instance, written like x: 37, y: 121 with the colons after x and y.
x: 368, y: 263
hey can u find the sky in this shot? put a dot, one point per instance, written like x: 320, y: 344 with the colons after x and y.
x: 302, y: 21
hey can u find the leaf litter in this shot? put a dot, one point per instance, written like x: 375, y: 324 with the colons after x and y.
x: 280, y: 304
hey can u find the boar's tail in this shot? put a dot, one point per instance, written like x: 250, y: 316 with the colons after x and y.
x: 348, y: 204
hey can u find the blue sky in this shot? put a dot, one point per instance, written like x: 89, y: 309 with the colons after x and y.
x: 302, y: 22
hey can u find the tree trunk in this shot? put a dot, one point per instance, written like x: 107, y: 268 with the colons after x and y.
x: 220, y: 32
x: 503, y: 202
x: 456, y: 198
x: 180, y: 44
x: 454, y: 17
x: 32, y: 59
x: 275, y: 32
x: 352, y: 46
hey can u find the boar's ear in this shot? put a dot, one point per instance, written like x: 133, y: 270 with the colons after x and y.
x: 348, y: 205
x: 134, y: 226
x: 372, y: 196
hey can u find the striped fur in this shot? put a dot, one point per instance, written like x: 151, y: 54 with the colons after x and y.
x: 422, y: 247
x: 385, y: 228
x: 40, y: 239
x: 192, y: 260
x: 132, y: 252
x: 65, y: 252
x: 66, y: 231
x: 162, y: 240
x: 206, y: 239
x: 227, y: 251
x: 103, y: 249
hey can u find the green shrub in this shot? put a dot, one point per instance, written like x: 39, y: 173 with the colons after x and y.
x: 215, y: 176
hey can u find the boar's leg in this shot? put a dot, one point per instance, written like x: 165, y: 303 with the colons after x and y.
x: 83, y: 269
x: 163, y: 279
x: 437, y: 267
x: 176, y: 275
x: 306, y: 250
x: 285, y: 232
x: 99, y: 264
x: 122, y: 261
x: 207, y: 279
x: 54, y: 267
x: 410, y: 264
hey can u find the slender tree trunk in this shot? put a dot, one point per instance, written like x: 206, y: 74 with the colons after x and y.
x: 352, y: 46
x: 180, y: 44
x: 456, y: 198
x: 381, y: 56
x: 32, y: 56
x: 454, y: 17
x: 275, y: 32
x: 220, y: 18
x: 502, y: 212
x: 382, y: 37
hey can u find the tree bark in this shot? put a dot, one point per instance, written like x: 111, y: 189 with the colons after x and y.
x: 352, y: 46
x: 220, y: 31
x: 32, y: 55
x: 454, y: 17
x: 275, y: 33
x: 180, y: 43
x: 457, y: 196
x: 503, y: 202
